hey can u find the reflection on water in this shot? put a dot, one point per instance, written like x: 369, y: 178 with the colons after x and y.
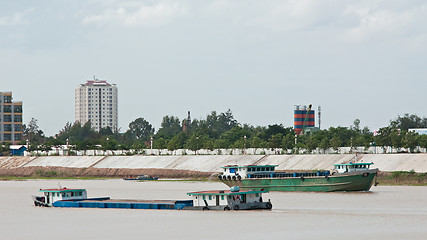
x: 384, y: 213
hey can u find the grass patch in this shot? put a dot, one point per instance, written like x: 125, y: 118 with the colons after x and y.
x: 406, y: 178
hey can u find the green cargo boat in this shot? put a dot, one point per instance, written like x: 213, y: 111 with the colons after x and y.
x: 345, y: 177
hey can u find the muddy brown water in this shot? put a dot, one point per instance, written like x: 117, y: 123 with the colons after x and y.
x: 386, y: 212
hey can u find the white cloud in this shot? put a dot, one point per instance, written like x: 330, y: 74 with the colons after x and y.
x: 16, y: 19
x: 372, y: 23
x: 130, y: 15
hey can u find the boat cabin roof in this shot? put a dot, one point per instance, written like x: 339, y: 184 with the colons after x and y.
x: 352, y: 164
x: 236, y: 166
x: 224, y: 192
x: 62, y: 190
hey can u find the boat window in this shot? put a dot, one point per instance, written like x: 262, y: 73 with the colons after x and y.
x: 222, y: 197
x: 204, y: 197
x: 210, y: 197
x: 256, y: 194
x: 262, y: 169
x: 258, y: 169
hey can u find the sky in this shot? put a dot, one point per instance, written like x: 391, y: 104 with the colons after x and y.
x: 356, y: 59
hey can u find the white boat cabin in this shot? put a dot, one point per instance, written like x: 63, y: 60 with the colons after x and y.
x: 352, y: 167
x: 225, y: 197
x: 53, y: 195
x: 235, y: 172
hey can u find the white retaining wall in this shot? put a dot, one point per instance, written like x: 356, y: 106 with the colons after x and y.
x: 213, y: 163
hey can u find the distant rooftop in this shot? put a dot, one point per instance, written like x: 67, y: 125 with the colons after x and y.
x: 96, y: 82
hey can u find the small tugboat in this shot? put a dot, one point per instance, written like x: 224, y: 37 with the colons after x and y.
x: 345, y: 177
x: 142, y: 178
x: 206, y: 200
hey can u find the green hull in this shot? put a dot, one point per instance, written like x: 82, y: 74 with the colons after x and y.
x: 340, y: 182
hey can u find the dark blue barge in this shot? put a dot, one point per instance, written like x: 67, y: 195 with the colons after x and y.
x: 126, y: 204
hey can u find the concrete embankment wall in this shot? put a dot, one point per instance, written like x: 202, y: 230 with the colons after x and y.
x: 213, y: 163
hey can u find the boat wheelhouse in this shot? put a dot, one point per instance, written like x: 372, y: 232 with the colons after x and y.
x: 53, y: 195
x: 345, y: 177
x: 229, y: 199
x: 352, y: 167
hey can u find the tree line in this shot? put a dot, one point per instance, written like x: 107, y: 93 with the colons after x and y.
x: 223, y: 131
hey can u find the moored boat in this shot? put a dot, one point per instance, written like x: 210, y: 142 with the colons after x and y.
x: 345, y: 177
x: 142, y: 178
x: 205, y: 200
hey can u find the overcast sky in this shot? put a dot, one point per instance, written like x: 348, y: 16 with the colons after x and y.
x: 356, y: 59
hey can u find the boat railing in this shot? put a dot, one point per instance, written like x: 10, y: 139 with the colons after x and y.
x: 289, y: 175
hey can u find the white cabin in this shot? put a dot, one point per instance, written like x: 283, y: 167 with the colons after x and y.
x: 53, y: 195
x: 352, y: 167
x: 225, y: 197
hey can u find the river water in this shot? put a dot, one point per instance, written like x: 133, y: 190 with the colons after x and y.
x: 384, y: 213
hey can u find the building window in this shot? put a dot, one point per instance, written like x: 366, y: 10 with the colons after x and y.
x: 18, y: 136
x: 7, y: 127
x: 7, y: 137
x: 17, y: 118
x: 17, y: 108
x: 17, y: 127
x: 7, y: 109
x: 7, y: 118
x: 7, y: 99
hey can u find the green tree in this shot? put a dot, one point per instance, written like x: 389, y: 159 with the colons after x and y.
x: 288, y: 141
x: 169, y: 127
x: 32, y: 133
x: 275, y: 141
x: 383, y: 137
x: 193, y: 143
x: 410, y: 141
x: 408, y: 121
x: 396, y: 139
x: 141, y: 129
x: 178, y: 141
x: 311, y: 144
x: 335, y: 142
x: 324, y: 144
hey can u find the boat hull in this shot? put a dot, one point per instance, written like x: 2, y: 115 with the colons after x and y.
x: 359, y: 181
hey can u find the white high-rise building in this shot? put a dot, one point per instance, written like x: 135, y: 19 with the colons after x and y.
x: 96, y: 101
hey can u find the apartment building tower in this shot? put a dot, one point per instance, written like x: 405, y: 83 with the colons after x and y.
x: 96, y: 101
x: 10, y: 119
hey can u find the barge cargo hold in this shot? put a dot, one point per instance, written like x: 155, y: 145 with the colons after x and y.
x: 345, y: 177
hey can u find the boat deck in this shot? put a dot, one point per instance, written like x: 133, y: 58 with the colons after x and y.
x: 125, y: 203
x: 134, y: 201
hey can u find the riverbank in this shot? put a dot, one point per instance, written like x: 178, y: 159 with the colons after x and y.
x: 63, y: 172
x: 402, y: 178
